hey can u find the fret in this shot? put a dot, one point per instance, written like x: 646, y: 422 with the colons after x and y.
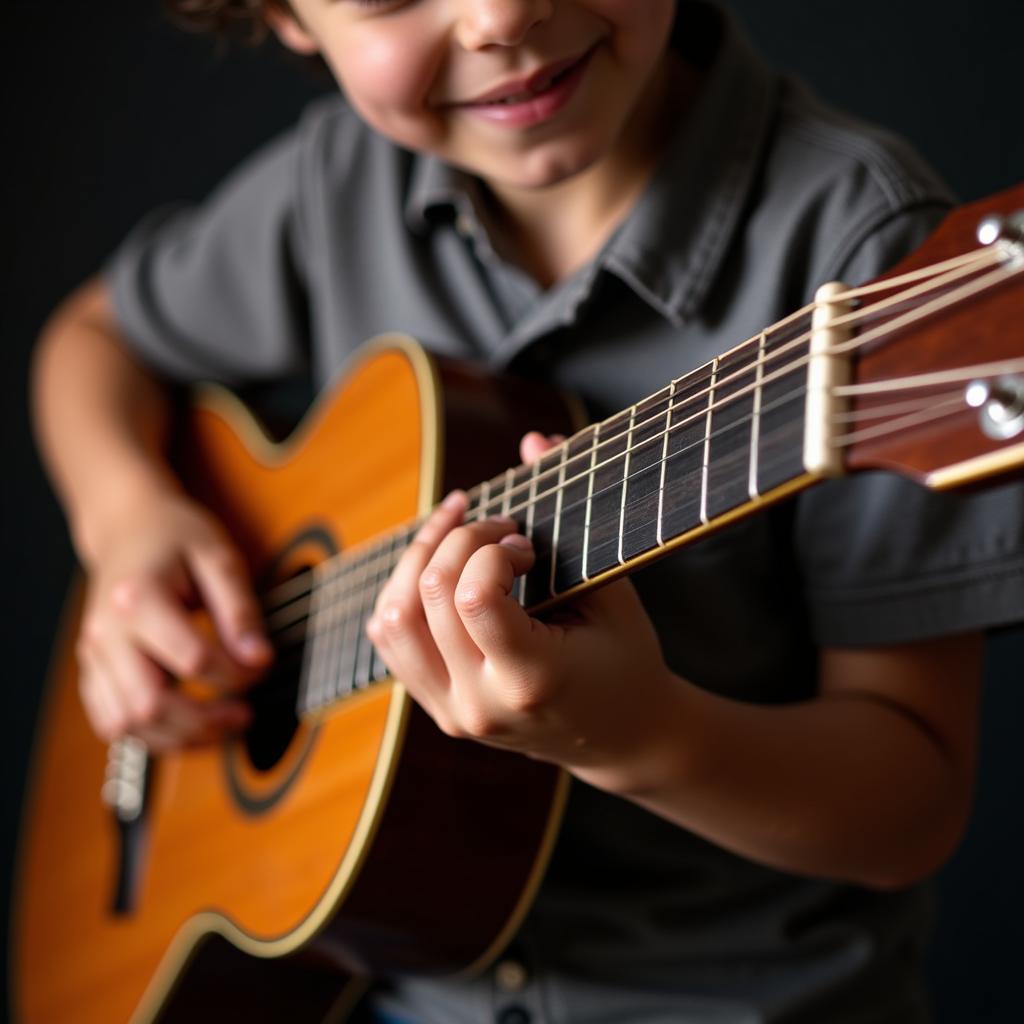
x: 495, y: 497
x: 781, y: 432
x: 347, y: 612
x: 607, y: 494
x: 706, y: 457
x: 522, y: 491
x: 477, y: 509
x: 507, y: 496
x: 395, y: 546
x: 664, y: 462
x: 642, y: 487
x: 728, y: 444
x: 545, y: 497
x: 330, y: 629
x: 755, y: 420
x: 684, y: 454
x: 362, y: 674
x: 312, y: 674
x: 570, y: 521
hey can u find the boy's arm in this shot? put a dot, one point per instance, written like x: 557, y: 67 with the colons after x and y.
x: 870, y: 782
x: 150, y: 552
x: 101, y: 418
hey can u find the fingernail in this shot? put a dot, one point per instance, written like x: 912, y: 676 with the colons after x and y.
x: 455, y: 500
x: 254, y: 646
x: 517, y: 540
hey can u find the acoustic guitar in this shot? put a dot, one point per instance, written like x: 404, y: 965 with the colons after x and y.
x: 343, y: 835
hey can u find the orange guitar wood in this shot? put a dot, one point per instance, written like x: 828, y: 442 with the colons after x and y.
x: 75, y: 961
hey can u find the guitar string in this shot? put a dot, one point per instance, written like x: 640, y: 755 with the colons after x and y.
x: 303, y: 635
x: 939, y: 407
x: 889, y: 327
x: 919, y: 412
x: 284, y: 591
x: 904, y: 423
x: 691, y: 399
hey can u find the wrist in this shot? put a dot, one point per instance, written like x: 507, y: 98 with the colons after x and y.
x: 125, y: 498
x: 658, y: 751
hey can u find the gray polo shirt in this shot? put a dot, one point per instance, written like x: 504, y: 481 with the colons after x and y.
x: 331, y: 235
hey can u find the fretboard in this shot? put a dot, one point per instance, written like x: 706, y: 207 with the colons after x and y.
x: 714, y: 444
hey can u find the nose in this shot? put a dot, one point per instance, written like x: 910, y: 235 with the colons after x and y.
x: 485, y: 23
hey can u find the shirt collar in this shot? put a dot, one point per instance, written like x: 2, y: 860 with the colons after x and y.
x: 671, y: 245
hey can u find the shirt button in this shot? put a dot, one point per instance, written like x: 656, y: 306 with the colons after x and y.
x: 464, y: 225
x: 511, y: 976
x: 513, y: 1015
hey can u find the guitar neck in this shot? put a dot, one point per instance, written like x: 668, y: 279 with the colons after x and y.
x: 714, y: 445
x: 859, y: 379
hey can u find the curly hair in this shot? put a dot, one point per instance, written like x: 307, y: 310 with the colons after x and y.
x: 228, y: 19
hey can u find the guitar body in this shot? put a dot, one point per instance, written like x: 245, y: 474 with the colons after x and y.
x: 266, y: 871
x: 357, y: 839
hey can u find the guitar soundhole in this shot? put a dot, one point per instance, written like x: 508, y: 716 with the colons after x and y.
x: 274, y: 700
x: 275, y: 721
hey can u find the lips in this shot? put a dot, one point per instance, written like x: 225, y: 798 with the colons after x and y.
x: 522, y: 90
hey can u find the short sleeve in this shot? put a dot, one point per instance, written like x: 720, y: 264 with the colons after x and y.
x: 217, y: 291
x: 884, y: 559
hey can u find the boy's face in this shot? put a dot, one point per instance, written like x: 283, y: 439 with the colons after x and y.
x: 524, y: 93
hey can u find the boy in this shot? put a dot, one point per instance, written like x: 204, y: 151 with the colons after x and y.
x: 610, y: 193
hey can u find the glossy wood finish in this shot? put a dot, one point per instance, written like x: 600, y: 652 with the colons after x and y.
x: 983, y: 329
x: 276, y: 880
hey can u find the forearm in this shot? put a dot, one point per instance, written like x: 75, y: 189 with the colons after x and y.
x: 849, y: 787
x: 100, y: 417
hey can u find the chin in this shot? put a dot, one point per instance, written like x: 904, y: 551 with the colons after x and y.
x: 546, y: 169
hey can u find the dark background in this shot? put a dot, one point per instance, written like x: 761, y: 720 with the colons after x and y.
x: 108, y: 111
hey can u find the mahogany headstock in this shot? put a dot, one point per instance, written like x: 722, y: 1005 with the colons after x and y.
x: 986, y: 328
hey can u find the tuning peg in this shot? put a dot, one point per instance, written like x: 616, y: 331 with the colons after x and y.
x: 997, y: 228
x: 1001, y: 403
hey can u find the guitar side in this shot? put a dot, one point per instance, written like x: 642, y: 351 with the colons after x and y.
x: 352, y: 852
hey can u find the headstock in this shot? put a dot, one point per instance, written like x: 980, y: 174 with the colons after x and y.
x: 941, y: 396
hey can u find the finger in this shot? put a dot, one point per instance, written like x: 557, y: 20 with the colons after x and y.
x: 438, y: 583
x: 228, y: 596
x: 442, y: 520
x: 398, y: 611
x: 493, y: 619
x: 152, y: 709
x: 398, y: 628
x: 161, y: 625
x: 101, y: 706
x: 535, y: 444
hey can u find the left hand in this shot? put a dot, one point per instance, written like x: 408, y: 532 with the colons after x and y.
x: 577, y: 690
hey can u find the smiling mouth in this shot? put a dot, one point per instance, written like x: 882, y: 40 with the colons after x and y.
x: 536, y: 85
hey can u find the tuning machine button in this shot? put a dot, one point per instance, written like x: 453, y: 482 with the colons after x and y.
x: 1001, y: 405
x: 1005, y: 232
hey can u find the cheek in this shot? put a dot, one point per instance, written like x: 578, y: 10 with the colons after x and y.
x: 387, y: 80
x: 640, y: 30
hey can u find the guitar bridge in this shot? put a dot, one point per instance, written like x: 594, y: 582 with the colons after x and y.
x: 125, y: 787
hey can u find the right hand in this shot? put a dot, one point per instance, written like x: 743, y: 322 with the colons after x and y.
x: 165, y: 559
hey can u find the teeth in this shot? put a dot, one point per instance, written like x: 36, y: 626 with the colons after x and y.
x: 522, y: 97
